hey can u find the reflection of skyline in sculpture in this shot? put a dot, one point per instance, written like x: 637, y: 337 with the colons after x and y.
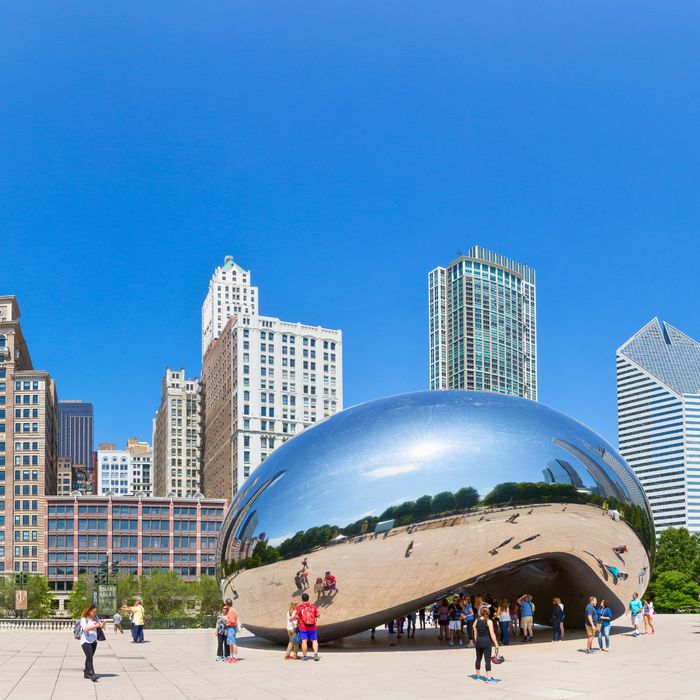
x: 559, y: 471
x: 417, y: 453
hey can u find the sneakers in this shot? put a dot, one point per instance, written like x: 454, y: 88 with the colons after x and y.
x: 232, y: 659
x: 492, y: 680
x: 451, y: 644
x: 461, y: 643
x: 317, y: 657
x: 221, y: 658
x: 304, y: 658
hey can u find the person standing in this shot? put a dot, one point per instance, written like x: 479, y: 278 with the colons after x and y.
x: 137, y: 620
x: 503, y: 614
x: 590, y: 621
x: 485, y: 640
x: 118, y: 623
x: 307, y: 617
x: 411, y: 624
x: 443, y: 617
x: 421, y: 618
x: 527, y: 610
x: 220, y: 632
x: 635, y: 608
x: 293, y: 645
x: 89, y: 626
x: 604, y: 619
x: 231, y: 625
x: 557, y: 620
x: 648, y: 616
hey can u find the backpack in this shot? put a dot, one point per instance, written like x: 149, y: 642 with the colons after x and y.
x: 77, y: 630
x: 307, y: 615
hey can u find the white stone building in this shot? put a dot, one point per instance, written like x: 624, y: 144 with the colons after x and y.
x: 125, y: 472
x: 264, y: 380
x: 177, y: 436
x: 230, y: 292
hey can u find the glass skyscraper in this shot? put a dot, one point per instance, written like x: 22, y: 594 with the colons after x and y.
x: 658, y: 409
x: 482, y: 324
x: 75, y: 432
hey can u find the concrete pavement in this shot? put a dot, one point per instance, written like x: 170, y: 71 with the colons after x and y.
x: 179, y: 665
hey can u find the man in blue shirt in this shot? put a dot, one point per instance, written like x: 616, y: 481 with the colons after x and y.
x: 635, y: 608
x: 591, y: 618
x: 527, y: 610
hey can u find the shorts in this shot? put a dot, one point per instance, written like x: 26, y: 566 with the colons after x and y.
x: 230, y: 636
x: 526, y: 621
x: 443, y: 623
x: 591, y: 631
x: 456, y: 625
x: 311, y: 635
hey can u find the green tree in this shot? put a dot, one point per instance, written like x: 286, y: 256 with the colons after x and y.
x: 209, y: 595
x: 672, y: 590
x: 128, y: 588
x: 678, y: 550
x: 466, y: 497
x: 423, y: 507
x: 164, y: 594
x: 80, y: 597
x: 39, y: 597
x: 443, y: 501
x: 7, y: 596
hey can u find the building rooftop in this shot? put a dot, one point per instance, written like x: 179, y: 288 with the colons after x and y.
x: 667, y: 353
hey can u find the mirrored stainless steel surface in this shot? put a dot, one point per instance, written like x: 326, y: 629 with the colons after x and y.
x: 383, y: 495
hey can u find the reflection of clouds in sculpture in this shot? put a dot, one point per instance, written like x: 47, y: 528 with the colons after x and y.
x: 384, y: 472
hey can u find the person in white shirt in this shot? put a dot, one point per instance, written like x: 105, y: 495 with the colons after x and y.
x: 89, y: 624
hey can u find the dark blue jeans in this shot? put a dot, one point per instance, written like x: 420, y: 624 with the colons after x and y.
x: 505, y: 633
x: 556, y: 630
x: 137, y: 632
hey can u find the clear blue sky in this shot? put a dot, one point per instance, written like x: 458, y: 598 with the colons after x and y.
x: 340, y: 150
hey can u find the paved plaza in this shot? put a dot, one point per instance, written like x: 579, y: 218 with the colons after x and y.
x: 174, y: 665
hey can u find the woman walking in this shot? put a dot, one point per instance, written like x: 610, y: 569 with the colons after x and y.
x: 90, y: 625
x: 557, y: 620
x: 604, y: 619
x: 293, y: 645
x: 485, y: 641
x: 220, y: 632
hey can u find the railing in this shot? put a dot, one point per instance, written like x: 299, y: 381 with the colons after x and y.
x: 30, y: 624
x: 67, y: 624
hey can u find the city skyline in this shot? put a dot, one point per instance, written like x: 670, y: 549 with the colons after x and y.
x: 342, y: 155
x: 143, y: 431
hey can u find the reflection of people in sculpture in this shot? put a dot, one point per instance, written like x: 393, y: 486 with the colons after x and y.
x: 329, y: 584
x: 642, y: 573
x: 297, y: 580
x: 513, y: 518
x: 494, y: 551
x: 527, y: 539
x: 622, y: 549
x: 318, y: 588
x: 408, y: 549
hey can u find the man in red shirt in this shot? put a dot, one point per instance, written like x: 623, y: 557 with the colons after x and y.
x: 306, y: 615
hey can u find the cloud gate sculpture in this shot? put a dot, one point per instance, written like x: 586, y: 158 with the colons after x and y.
x: 412, y: 497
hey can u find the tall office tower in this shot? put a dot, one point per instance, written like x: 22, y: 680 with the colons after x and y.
x: 263, y: 380
x: 177, y: 436
x: 230, y: 292
x: 127, y: 471
x: 658, y: 418
x: 482, y: 325
x: 75, y: 432
x: 28, y: 447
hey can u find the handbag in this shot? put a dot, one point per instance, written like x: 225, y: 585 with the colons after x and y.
x: 100, y: 633
x: 497, y: 657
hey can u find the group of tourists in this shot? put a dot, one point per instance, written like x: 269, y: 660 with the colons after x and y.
x: 598, y: 618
